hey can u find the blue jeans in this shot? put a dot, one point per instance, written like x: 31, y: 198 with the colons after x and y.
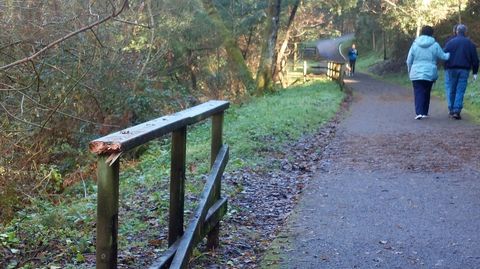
x: 455, y: 87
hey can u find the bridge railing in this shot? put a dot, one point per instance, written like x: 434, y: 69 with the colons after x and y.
x: 335, y: 71
x: 212, y: 207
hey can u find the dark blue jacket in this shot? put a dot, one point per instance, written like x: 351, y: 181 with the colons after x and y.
x: 463, y: 54
x: 352, y: 54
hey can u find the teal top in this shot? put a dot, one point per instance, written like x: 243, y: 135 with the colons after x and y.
x: 422, y: 58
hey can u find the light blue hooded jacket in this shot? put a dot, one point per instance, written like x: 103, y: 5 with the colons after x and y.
x: 422, y: 58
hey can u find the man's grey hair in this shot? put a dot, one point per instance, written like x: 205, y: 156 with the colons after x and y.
x: 461, y: 29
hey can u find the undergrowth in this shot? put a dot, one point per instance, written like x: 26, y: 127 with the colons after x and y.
x: 62, y: 235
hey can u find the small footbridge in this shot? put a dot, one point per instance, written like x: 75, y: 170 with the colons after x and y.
x: 315, y: 60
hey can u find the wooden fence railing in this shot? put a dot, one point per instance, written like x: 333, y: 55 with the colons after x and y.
x: 335, y: 72
x: 212, y: 207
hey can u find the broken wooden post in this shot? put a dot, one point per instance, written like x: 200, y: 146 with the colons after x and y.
x: 107, y: 213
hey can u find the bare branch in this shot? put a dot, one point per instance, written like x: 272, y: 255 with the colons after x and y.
x: 11, y: 88
x: 96, y: 37
x: 396, y: 6
x: 83, y: 29
x: 66, y: 114
x: 133, y: 23
x: 62, y: 101
x: 152, y: 39
x: 11, y: 44
x: 20, y: 120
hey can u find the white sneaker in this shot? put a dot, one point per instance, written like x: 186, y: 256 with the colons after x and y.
x: 418, y: 117
x: 424, y: 116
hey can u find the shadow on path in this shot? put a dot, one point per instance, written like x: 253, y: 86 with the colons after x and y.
x: 393, y: 192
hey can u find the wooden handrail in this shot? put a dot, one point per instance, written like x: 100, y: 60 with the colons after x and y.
x: 137, y: 135
x: 212, y: 206
x: 335, y: 72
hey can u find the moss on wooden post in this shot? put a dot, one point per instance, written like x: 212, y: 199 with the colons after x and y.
x: 177, y: 185
x: 217, y: 141
x: 107, y: 213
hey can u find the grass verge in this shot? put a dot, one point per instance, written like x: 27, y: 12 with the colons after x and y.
x: 61, y: 235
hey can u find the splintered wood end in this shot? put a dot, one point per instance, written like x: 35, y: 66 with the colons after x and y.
x: 100, y: 147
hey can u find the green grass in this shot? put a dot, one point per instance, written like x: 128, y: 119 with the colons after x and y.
x: 367, y: 60
x: 63, y: 233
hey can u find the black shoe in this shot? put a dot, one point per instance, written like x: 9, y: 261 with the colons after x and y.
x: 456, y: 116
x: 450, y: 114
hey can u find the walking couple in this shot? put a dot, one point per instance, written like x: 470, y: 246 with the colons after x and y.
x: 460, y: 54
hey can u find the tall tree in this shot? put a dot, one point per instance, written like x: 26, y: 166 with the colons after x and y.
x: 266, y: 67
x: 229, y: 43
x: 283, y: 47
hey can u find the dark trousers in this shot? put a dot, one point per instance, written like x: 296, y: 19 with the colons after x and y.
x: 352, y: 67
x: 421, y: 91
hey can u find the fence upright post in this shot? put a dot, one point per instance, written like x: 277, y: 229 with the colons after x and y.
x: 107, y: 213
x: 337, y: 71
x: 295, y: 55
x: 304, y: 71
x: 177, y: 185
x: 329, y: 68
x: 217, y: 141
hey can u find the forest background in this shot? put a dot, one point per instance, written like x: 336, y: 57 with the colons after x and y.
x: 71, y: 71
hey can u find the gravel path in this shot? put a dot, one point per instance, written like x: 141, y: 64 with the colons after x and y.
x: 392, y: 192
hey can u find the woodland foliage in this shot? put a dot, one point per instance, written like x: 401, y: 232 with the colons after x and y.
x: 392, y: 25
x: 71, y: 71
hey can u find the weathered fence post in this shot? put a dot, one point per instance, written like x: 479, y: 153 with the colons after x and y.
x: 177, y: 184
x: 107, y: 213
x: 211, y: 207
x: 304, y: 71
x: 217, y: 142
x: 295, y: 55
x: 329, y: 69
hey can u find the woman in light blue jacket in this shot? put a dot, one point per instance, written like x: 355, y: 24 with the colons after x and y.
x: 422, y: 69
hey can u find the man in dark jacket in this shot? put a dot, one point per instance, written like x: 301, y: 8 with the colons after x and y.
x: 463, y: 58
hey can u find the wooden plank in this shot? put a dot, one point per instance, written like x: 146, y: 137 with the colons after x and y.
x: 137, y: 135
x: 167, y: 257
x: 217, y: 136
x: 193, y: 231
x: 177, y: 184
x: 107, y: 214
x: 214, y: 215
x: 216, y: 144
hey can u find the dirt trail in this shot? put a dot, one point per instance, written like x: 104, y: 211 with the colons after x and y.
x: 393, y: 192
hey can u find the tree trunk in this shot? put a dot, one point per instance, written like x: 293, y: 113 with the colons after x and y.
x: 374, y: 42
x: 384, y: 45
x: 249, y: 42
x: 191, y: 68
x: 234, y: 54
x: 278, y: 66
x: 265, y: 70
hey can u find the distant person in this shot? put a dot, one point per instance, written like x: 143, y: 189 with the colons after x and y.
x: 352, y: 58
x: 463, y: 58
x: 422, y: 69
